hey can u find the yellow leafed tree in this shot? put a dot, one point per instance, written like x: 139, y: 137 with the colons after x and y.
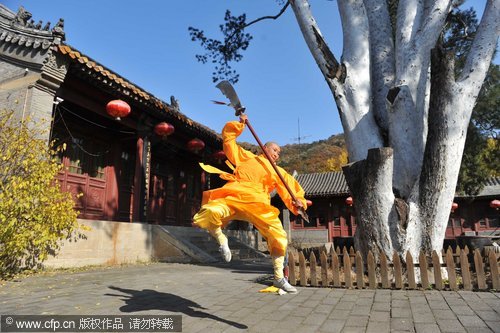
x: 336, y: 163
x: 35, y: 215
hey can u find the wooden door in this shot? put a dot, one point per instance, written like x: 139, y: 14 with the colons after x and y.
x: 193, y: 196
x: 163, y: 194
x: 85, y: 174
x: 125, y: 179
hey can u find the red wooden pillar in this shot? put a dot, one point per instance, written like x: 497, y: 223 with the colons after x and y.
x: 110, y: 210
x: 343, y: 227
x: 330, y: 230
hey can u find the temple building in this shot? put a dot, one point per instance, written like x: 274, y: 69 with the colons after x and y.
x: 142, y: 167
x: 132, y: 159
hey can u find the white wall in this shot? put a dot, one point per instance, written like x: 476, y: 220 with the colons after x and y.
x: 114, y: 243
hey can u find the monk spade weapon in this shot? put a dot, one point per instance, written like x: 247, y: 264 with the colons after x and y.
x: 228, y: 91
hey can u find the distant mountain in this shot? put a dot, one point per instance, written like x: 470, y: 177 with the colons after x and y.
x: 318, y: 156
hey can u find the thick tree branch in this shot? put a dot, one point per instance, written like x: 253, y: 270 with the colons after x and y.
x: 382, y: 57
x: 436, y: 163
x: 433, y: 25
x: 409, y: 20
x: 356, y: 37
x: 325, y: 59
x: 483, y: 48
x: 334, y: 69
x: 415, y: 36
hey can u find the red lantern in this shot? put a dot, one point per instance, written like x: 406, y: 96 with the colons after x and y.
x: 118, y: 108
x: 495, y: 204
x: 219, y: 155
x: 309, y: 203
x: 349, y: 201
x: 454, y: 206
x: 195, y: 145
x: 164, y: 129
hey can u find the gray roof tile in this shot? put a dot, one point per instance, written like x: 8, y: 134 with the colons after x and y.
x: 334, y: 184
x: 323, y: 184
x: 491, y: 187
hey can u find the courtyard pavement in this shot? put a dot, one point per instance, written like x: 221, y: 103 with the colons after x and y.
x: 226, y: 298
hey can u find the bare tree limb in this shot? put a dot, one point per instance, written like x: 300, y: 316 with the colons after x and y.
x: 433, y: 25
x: 268, y: 17
x: 334, y: 69
x: 325, y: 59
x: 483, y: 47
x: 409, y: 20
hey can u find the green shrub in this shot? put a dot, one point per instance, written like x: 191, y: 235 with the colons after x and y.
x: 35, y: 215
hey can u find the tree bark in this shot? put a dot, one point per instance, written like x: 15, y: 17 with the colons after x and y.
x: 390, y: 93
x: 349, y: 89
x: 436, y: 186
x: 370, y: 182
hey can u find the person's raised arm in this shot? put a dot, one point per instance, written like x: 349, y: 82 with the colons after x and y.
x: 234, y: 153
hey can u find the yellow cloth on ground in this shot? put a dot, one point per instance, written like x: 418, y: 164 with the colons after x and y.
x: 271, y: 289
x: 246, y: 195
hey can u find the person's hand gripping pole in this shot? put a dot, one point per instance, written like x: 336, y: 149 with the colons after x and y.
x: 228, y: 90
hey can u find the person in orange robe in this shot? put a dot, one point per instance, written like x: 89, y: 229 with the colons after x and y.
x: 246, y: 196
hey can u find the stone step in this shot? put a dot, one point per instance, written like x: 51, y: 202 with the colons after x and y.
x: 200, y: 242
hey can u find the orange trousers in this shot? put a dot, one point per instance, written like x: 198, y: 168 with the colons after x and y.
x: 217, y: 213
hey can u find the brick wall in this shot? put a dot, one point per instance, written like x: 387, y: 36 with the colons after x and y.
x: 13, y: 87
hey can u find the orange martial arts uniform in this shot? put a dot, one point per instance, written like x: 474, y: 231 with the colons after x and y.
x: 246, y: 195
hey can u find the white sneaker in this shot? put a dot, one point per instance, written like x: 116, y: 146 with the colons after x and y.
x: 225, y: 252
x: 284, y: 285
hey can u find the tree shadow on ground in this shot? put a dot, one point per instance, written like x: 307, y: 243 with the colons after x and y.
x: 147, y: 299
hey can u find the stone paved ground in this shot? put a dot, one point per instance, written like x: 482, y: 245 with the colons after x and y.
x: 225, y: 298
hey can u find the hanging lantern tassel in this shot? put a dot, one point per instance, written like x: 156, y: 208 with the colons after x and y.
x: 118, y: 109
x: 195, y: 145
x: 164, y: 129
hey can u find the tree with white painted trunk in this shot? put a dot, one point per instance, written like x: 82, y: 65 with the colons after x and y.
x: 404, y: 113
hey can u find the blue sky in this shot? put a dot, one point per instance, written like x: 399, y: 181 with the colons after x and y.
x: 147, y: 42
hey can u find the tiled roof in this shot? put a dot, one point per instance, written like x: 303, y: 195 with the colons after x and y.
x: 491, y: 188
x: 34, y: 42
x: 334, y: 184
x: 21, y: 36
x: 323, y: 184
x: 98, y: 72
x: 17, y: 29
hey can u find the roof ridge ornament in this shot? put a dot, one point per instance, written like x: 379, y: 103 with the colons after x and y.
x: 58, y: 31
x: 22, y: 17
